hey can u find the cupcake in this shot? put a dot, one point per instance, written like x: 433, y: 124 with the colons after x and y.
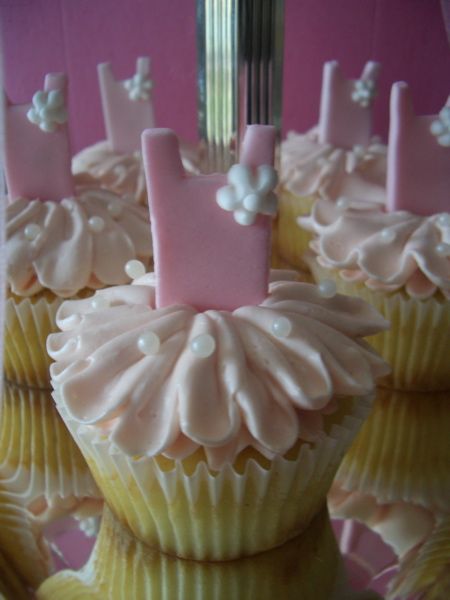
x: 338, y: 160
x: 115, y: 164
x: 398, y: 258
x: 214, y: 416
x: 308, y: 567
x: 60, y: 242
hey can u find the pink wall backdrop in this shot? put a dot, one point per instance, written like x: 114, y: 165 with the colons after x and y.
x: 406, y: 36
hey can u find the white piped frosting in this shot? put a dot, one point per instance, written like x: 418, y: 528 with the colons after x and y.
x: 220, y: 380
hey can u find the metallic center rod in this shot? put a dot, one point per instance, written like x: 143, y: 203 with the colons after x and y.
x: 240, y: 60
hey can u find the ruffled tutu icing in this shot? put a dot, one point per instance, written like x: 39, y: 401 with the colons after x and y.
x: 177, y: 439
x: 311, y: 170
x: 68, y: 254
x: 394, y: 261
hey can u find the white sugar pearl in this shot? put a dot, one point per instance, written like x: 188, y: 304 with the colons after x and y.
x: 31, y: 231
x: 444, y: 220
x: 342, y: 203
x: 444, y: 140
x: 149, y: 343
x: 96, y: 224
x: 252, y: 202
x: 327, y: 288
x: 244, y: 217
x: 437, y: 127
x: 134, y: 269
x: 443, y: 249
x: 282, y: 327
x: 99, y: 303
x: 387, y: 235
x: 115, y: 209
x: 203, y: 345
x: 358, y: 150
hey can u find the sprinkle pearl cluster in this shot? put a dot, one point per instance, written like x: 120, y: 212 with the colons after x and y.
x: 364, y: 91
x: 48, y: 110
x: 138, y: 87
x: 441, y: 127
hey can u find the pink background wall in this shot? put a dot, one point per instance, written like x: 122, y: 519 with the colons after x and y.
x: 407, y: 36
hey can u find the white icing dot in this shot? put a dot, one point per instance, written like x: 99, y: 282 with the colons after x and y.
x: 281, y: 327
x: 99, y: 303
x: 115, y: 209
x: 444, y: 220
x: 203, y: 345
x: 443, y: 249
x: 327, y: 288
x: 31, y: 231
x: 342, y: 203
x: 134, y: 269
x: 96, y: 224
x: 149, y: 343
x: 387, y: 235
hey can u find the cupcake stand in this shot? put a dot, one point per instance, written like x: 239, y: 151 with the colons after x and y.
x: 240, y: 83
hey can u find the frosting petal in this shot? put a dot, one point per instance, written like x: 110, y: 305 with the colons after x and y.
x: 255, y: 388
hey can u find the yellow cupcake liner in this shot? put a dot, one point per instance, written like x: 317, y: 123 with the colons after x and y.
x: 426, y: 570
x: 39, y: 461
x: 121, y: 568
x: 292, y: 241
x: 186, y: 510
x: 28, y: 323
x: 417, y: 344
x: 11, y: 586
x: 402, y: 453
x: 21, y: 541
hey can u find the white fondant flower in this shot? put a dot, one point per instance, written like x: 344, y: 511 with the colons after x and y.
x: 48, y: 110
x: 441, y: 127
x: 249, y: 194
x: 138, y: 87
x: 364, y: 91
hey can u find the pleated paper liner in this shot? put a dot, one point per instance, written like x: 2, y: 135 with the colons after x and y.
x: 425, y: 571
x: 292, y: 241
x: 401, y: 525
x: 121, y: 568
x: 21, y: 541
x: 189, y: 511
x: 39, y: 461
x: 28, y: 322
x: 11, y: 586
x: 402, y: 453
x: 417, y: 344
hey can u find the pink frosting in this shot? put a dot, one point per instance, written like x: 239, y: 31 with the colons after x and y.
x: 67, y: 254
x: 122, y: 174
x: 387, y: 251
x: 309, y: 167
x: 256, y: 389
